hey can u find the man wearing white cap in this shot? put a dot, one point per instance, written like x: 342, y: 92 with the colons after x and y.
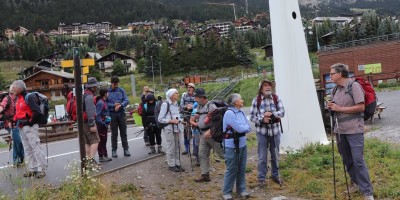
x: 169, y: 114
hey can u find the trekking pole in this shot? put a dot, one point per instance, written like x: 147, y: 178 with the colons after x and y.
x: 344, y: 170
x: 138, y: 133
x: 9, y: 150
x: 179, y: 146
x: 188, y: 129
x: 333, y: 155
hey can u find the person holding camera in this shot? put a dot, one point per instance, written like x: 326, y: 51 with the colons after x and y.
x: 265, y: 112
x: 186, y: 106
x: 103, y: 120
x: 349, y: 128
x: 149, y: 122
x: 169, y: 114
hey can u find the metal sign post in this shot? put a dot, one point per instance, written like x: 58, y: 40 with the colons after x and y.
x: 79, y: 107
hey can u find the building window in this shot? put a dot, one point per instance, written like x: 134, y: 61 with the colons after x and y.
x: 45, y: 83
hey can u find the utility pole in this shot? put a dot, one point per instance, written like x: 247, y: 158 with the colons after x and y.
x: 152, y: 69
x: 79, y: 107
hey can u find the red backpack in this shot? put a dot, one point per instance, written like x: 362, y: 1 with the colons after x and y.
x: 71, y: 105
x: 370, y: 99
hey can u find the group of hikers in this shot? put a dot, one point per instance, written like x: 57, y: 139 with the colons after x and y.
x: 187, y: 124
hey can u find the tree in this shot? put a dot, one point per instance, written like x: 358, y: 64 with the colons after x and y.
x: 243, y: 54
x: 3, y: 82
x: 152, y: 57
x: 119, y: 68
x: 94, y: 72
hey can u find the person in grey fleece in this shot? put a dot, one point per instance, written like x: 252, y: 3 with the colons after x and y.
x: 173, y: 132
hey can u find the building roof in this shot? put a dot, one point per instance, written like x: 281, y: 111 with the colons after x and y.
x: 335, y: 19
x: 105, y: 58
x: 57, y: 73
x: 37, y: 66
x: 93, y: 55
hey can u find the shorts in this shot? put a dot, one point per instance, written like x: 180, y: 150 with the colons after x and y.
x: 90, y: 137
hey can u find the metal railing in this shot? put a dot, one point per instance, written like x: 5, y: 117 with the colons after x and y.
x: 383, y: 38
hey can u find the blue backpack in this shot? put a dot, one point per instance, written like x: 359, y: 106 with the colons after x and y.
x: 43, y: 104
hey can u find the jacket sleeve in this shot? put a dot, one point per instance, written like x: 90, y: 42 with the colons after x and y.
x: 280, y: 110
x: 238, y: 124
x: 125, y: 99
x: 90, y: 109
x: 99, y: 110
x: 163, y: 117
x: 254, y: 114
x: 4, y: 103
x: 182, y: 103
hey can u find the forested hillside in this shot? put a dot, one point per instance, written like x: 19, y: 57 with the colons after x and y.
x: 47, y: 14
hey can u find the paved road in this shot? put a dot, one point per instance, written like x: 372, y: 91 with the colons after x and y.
x: 63, y: 155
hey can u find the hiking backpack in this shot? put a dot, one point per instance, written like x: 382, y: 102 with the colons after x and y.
x: 43, y: 104
x: 157, y: 113
x: 370, y: 99
x: 71, y: 106
x: 215, y: 120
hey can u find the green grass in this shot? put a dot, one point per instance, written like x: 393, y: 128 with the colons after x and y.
x: 309, y: 173
x: 10, y: 69
x: 388, y: 86
x: 3, y: 145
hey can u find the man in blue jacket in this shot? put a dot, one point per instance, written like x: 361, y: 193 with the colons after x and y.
x: 117, y: 101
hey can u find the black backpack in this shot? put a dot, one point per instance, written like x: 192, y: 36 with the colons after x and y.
x: 157, y: 113
x: 43, y: 104
x: 215, y: 120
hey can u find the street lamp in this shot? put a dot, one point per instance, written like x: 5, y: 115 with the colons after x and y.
x: 152, y: 69
x: 160, y: 75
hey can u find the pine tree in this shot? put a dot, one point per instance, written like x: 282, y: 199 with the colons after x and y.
x: 243, y: 54
x: 152, y: 57
x: 119, y: 68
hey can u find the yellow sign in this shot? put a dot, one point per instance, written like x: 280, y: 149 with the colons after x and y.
x: 85, y: 70
x: 84, y: 79
x: 373, y: 68
x: 84, y: 62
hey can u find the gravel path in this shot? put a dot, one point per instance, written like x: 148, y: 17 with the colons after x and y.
x: 387, y: 128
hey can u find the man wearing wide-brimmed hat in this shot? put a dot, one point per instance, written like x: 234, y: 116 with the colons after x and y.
x: 186, y: 105
x: 265, y: 112
x: 91, y: 136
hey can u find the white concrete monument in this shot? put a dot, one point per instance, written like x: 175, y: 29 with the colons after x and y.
x: 303, y: 122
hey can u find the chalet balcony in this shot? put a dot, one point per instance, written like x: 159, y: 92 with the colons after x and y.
x: 45, y: 87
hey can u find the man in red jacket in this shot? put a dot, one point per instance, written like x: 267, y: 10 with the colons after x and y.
x: 26, y: 119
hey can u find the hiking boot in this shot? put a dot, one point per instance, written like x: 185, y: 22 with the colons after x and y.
x: 29, y: 174
x: 114, y: 153
x: 353, y: 188
x: 261, y: 183
x: 174, y: 169
x: 185, y: 152
x: 244, y: 195
x: 368, y: 197
x: 227, y: 197
x: 180, y: 168
x: 104, y: 159
x: 159, y: 150
x: 203, y: 178
x: 197, y: 162
x: 126, y: 153
x: 152, y: 150
x: 40, y: 174
x: 147, y: 144
x: 277, y: 180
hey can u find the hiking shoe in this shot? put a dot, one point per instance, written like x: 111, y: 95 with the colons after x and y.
x: 353, y: 189
x: 180, y: 168
x: 173, y: 169
x: 40, y: 174
x: 227, y: 197
x: 159, y: 149
x: 197, y: 162
x: 29, y: 174
x: 104, y: 159
x: 185, y: 152
x: 203, y: 178
x: 244, y: 195
x: 114, y: 153
x: 147, y: 143
x: 261, y: 183
x: 152, y: 150
x: 126, y: 153
x: 277, y: 180
x: 368, y: 197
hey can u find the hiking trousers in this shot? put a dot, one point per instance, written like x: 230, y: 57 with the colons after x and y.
x: 102, y: 148
x: 351, y: 148
x: 34, y: 154
x: 118, y: 121
x: 233, y: 173
x: 173, y: 142
x: 204, y: 153
x: 265, y: 143
x: 18, y: 148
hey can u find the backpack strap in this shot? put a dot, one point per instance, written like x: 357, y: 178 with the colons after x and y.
x: 259, y: 99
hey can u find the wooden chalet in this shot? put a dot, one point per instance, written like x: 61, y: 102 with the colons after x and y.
x: 49, y: 83
x: 106, y: 63
x: 35, y: 69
